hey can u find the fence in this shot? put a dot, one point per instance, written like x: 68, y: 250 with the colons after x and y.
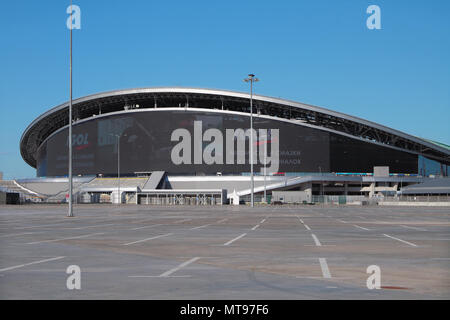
x: 180, y: 198
x: 341, y: 199
x: 412, y: 198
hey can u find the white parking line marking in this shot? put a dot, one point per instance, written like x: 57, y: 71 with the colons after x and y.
x: 324, y: 266
x: 411, y: 244
x: 414, y: 228
x: 68, y: 238
x: 199, y: 227
x: 233, y: 240
x: 17, y: 234
x: 361, y: 227
x: 262, y: 221
x: 184, y: 264
x: 316, y: 241
x: 143, y: 240
x: 223, y: 220
x: 27, y: 264
x: 254, y: 228
x: 342, y: 221
x: 306, y: 226
x: 150, y: 226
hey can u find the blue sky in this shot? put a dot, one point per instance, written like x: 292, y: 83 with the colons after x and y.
x: 317, y: 52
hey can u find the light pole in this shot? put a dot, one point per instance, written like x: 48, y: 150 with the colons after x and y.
x: 265, y: 166
x: 251, y: 78
x: 321, y: 182
x: 70, y: 214
x: 401, y: 187
x: 119, y: 198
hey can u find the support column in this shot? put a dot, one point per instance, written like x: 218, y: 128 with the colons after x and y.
x: 372, y: 190
x: 308, y: 191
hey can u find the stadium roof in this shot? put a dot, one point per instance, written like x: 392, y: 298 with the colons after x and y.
x: 440, y: 144
x: 212, y: 99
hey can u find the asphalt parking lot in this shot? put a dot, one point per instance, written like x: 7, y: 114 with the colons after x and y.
x: 180, y: 252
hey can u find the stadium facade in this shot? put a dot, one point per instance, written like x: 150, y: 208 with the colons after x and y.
x: 199, y: 139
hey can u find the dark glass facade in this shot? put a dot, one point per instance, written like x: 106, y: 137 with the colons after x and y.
x: 351, y: 155
x: 149, y: 141
x: 429, y: 167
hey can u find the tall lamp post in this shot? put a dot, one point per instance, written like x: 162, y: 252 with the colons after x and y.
x: 119, y: 198
x: 265, y: 166
x: 70, y: 214
x: 251, y: 78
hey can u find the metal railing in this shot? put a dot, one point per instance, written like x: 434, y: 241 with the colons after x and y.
x: 179, y: 199
x: 413, y: 198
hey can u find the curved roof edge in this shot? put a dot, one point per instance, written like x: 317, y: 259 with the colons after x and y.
x: 439, y: 144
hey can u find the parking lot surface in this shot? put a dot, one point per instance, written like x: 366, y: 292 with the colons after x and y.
x: 224, y: 252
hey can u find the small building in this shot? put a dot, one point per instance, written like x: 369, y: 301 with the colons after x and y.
x: 9, y: 197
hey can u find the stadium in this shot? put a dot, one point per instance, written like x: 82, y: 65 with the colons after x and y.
x: 191, y: 146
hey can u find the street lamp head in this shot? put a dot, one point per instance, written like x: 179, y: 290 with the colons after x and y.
x: 251, y: 78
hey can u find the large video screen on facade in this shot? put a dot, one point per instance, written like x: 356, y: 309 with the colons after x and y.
x: 185, y: 142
